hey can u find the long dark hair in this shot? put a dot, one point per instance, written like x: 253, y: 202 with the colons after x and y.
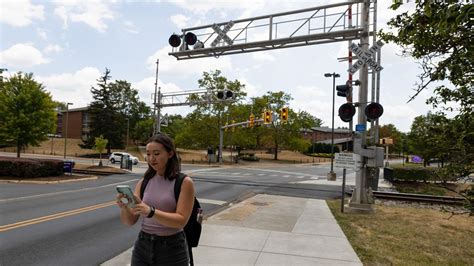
x: 173, y: 166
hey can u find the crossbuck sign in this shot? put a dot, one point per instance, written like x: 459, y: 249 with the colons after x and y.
x: 365, y: 57
x: 222, y: 34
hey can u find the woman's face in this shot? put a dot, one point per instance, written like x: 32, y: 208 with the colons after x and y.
x: 157, y: 157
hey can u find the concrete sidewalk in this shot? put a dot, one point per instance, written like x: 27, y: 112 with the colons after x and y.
x: 270, y: 230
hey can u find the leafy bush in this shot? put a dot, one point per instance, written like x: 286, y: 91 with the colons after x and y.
x: 322, y: 148
x: 249, y: 157
x: 414, y: 174
x: 30, y: 168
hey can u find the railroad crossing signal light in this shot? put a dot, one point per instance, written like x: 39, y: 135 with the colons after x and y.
x: 373, y: 111
x: 267, y: 117
x: 284, y: 114
x: 225, y: 94
x: 189, y: 38
x: 346, y: 112
x: 174, y: 40
x: 343, y: 90
x: 251, y: 121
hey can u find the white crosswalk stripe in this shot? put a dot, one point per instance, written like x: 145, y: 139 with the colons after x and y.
x: 211, y: 201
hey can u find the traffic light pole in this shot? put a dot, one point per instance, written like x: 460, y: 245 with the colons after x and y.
x: 361, y: 200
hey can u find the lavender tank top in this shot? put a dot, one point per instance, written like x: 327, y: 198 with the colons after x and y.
x: 159, y: 193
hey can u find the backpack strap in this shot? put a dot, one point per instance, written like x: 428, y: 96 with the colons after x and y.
x: 143, y: 186
x: 177, y: 185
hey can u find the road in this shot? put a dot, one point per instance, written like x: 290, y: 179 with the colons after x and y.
x: 77, y: 223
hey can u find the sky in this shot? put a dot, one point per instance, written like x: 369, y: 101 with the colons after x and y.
x: 67, y: 45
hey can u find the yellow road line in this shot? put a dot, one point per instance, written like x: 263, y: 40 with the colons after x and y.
x: 54, y: 216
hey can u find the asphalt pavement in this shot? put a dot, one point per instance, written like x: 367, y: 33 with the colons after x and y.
x: 270, y: 230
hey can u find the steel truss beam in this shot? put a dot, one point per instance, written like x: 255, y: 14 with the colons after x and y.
x: 317, y: 25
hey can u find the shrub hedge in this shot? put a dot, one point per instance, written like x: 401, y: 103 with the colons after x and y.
x: 30, y: 168
x: 410, y: 174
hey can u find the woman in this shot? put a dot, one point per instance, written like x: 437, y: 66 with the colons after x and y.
x: 161, y: 240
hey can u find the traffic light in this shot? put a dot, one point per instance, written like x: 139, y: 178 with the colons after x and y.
x: 251, y: 120
x: 344, y: 90
x: 346, y: 112
x: 189, y: 38
x: 284, y: 114
x: 225, y: 94
x: 373, y: 111
x: 267, y: 117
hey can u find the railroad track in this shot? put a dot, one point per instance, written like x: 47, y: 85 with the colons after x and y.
x: 418, y: 197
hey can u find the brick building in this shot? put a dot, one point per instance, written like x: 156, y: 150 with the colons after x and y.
x: 78, y: 123
x: 342, y: 136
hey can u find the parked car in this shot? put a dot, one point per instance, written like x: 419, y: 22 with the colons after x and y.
x: 117, y: 157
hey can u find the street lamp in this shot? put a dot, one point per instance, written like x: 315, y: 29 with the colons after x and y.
x: 128, y: 126
x: 65, y: 132
x: 331, y: 174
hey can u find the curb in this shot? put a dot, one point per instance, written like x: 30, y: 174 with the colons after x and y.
x: 16, y: 181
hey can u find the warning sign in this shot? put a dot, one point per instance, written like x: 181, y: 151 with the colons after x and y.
x: 346, y: 160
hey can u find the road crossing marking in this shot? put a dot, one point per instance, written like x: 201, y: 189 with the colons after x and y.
x: 211, y: 201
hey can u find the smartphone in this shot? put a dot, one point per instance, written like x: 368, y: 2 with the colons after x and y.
x: 127, y: 191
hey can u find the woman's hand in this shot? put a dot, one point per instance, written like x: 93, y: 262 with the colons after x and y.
x: 140, y: 207
x: 119, y: 201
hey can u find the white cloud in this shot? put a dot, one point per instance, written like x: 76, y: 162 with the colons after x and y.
x: 42, y: 34
x: 146, y: 90
x: 204, y: 6
x: 130, y: 27
x: 179, y: 20
x: 263, y: 56
x: 72, y: 87
x: 169, y: 64
x: 52, y: 48
x: 93, y: 13
x: 22, y: 55
x: 20, y: 13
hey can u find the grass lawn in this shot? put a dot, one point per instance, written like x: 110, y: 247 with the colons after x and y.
x: 408, y: 236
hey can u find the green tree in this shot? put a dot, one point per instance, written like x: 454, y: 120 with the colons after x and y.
x: 100, y: 144
x: 210, y: 112
x: 27, y: 113
x: 113, y: 104
x: 390, y: 131
x: 425, y: 133
x: 439, y: 34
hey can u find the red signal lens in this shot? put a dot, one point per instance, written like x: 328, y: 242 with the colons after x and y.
x: 346, y: 112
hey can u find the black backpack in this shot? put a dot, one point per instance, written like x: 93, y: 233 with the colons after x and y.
x: 193, y: 228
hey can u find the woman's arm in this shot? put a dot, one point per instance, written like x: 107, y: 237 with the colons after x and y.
x: 184, y: 207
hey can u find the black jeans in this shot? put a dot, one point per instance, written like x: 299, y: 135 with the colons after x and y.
x: 160, y: 250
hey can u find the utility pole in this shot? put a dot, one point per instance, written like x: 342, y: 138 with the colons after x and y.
x: 156, y: 120
x: 65, y: 128
x: 128, y: 130
x: 361, y: 201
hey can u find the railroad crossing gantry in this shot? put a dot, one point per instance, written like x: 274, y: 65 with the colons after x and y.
x: 310, y: 26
